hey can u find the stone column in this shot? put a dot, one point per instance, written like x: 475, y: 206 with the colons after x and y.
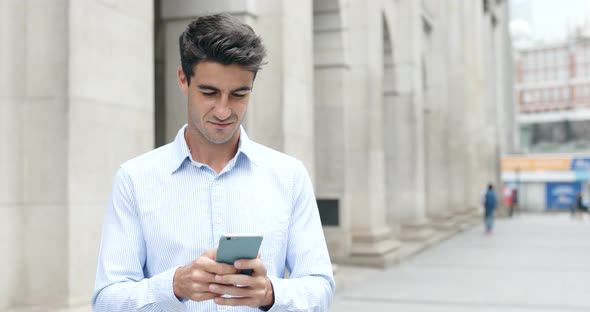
x: 405, y: 121
x: 505, y: 80
x: 281, y: 114
x: 458, y: 116
x: 436, y: 114
x: 77, y: 86
x: 372, y: 242
x: 505, y: 117
x: 110, y: 117
x: 331, y: 88
x: 12, y: 99
x: 476, y: 107
x: 43, y: 150
x: 492, y: 111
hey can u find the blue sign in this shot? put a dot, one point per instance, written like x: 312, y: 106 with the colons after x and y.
x: 580, y: 164
x: 562, y: 195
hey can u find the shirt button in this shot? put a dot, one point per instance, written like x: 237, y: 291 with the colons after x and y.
x: 218, y: 220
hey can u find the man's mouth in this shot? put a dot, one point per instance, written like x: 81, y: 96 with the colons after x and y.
x: 221, y: 124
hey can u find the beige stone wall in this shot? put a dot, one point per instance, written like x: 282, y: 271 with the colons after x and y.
x: 33, y: 190
x: 76, y: 103
x: 12, y: 98
x: 110, y: 117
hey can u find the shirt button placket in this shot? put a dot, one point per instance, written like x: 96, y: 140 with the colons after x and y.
x: 217, y: 213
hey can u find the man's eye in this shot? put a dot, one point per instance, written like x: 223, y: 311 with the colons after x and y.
x: 208, y: 93
x: 240, y: 94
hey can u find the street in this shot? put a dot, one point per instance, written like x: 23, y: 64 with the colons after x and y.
x: 531, y: 263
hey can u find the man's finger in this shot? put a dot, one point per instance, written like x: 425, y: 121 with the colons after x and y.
x: 203, y: 296
x: 211, y: 266
x: 231, y: 290
x: 255, y: 264
x: 236, y: 302
x: 234, y: 279
x: 201, y: 276
x: 210, y: 253
x: 197, y: 288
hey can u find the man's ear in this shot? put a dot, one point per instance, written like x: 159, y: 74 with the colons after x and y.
x: 182, y: 81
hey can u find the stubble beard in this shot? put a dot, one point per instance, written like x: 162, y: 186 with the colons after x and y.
x: 214, y: 139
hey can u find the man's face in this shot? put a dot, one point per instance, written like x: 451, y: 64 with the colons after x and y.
x: 218, y: 96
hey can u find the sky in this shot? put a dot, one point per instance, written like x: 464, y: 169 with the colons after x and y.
x: 546, y: 20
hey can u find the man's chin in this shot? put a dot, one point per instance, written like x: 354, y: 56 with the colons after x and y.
x: 221, y: 138
x: 220, y: 141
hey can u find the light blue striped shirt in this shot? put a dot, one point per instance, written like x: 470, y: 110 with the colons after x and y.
x: 166, y: 210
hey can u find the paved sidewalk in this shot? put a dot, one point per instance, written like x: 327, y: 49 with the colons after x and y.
x: 530, y: 263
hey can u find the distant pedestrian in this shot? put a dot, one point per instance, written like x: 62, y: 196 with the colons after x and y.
x: 580, y: 206
x: 489, y: 204
x: 513, y: 202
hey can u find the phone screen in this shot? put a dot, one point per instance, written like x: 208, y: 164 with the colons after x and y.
x: 233, y: 247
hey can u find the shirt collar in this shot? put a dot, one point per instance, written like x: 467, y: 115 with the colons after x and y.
x: 181, y: 151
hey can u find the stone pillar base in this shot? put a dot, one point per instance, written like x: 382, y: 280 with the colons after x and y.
x: 503, y: 211
x: 466, y: 218
x: 372, y: 249
x: 419, y: 231
x: 475, y: 214
x: 443, y: 223
x: 475, y: 210
x: 461, y: 217
x: 381, y: 261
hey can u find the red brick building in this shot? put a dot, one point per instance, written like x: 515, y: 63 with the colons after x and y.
x: 553, y: 97
x: 551, y: 78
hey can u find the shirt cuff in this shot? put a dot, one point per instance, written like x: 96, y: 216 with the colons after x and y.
x: 163, y: 289
x: 279, y: 290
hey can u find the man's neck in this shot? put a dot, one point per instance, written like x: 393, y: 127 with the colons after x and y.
x: 215, y: 156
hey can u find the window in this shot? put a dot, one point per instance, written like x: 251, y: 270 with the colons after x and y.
x: 526, y: 97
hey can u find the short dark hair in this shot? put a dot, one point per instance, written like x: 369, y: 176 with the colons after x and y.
x: 220, y: 38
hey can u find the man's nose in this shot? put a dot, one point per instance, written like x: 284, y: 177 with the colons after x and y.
x: 222, y: 110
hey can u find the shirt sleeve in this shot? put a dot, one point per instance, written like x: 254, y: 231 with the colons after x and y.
x: 310, y: 286
x: 120, y: 281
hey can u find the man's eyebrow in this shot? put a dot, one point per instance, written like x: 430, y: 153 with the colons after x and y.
x: 207, y: 87
x: 245, y: 88
x: 212, y: 88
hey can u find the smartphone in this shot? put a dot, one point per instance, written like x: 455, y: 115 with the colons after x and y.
x: 233, y: 247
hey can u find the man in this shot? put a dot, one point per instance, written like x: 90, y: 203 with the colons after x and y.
x: 170, y: 206
x: 489, y: 204
x: 513, y: 202
x: 580, y: 206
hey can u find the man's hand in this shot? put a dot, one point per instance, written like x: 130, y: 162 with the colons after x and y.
x: 253, y: 291
x: 192, y: 280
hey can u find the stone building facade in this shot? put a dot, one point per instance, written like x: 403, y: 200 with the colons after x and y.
x: 400, y: 110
